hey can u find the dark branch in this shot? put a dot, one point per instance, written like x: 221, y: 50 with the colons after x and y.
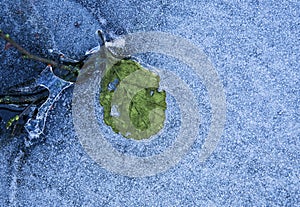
x: 28, y: 55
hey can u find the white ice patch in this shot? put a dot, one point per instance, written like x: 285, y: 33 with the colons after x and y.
x: 114, y: 112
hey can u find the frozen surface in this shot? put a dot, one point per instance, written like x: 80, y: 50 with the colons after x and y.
x: 254, y: 46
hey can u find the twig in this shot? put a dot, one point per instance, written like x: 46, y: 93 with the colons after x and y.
x: 28, y: 55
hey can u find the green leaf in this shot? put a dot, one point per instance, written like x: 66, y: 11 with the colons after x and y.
x: 136, y: 97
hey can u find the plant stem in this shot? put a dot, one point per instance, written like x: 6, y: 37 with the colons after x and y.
x: 28, y: 55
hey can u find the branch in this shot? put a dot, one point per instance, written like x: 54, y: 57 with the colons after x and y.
x: 28, y: 55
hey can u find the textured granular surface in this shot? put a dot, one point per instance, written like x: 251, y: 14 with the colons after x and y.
x: 254, y: 47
